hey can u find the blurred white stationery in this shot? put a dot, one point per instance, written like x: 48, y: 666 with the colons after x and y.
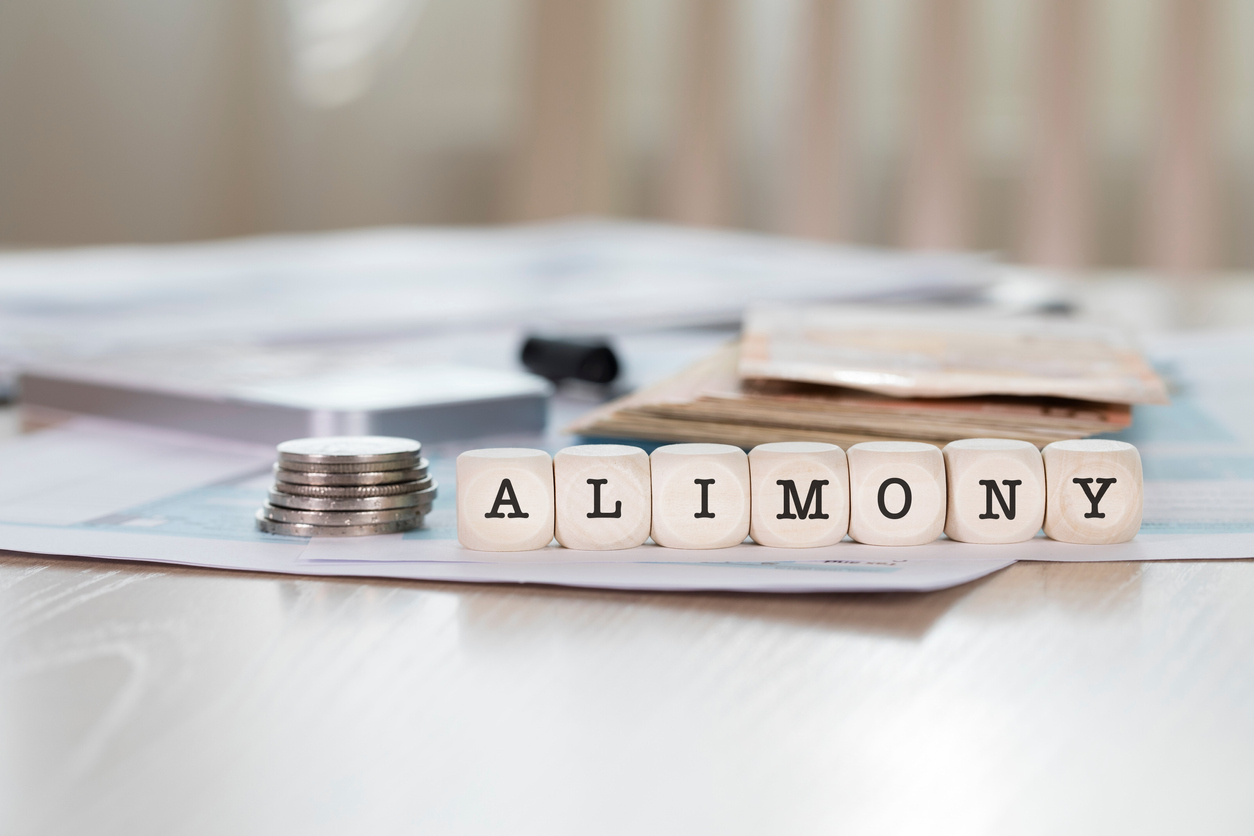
x: 386, y: 284
x: 277, y: 337
x: 234, y: 393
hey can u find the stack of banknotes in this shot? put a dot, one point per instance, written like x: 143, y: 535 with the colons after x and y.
x: 850, y: 374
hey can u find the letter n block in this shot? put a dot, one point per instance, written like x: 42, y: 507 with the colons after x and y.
x: 504, y: 499
x: 604, y: 496
x: 800, y: 494
x: 996, y: 490
x: 1093, y: 491
x: 896, y: 493
x: 700, y: 496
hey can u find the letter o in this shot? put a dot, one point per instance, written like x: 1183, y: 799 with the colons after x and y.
x: 905, y: 506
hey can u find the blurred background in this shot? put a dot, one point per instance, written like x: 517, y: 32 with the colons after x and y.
x: 1065, y: 133
x: 1100, y: 152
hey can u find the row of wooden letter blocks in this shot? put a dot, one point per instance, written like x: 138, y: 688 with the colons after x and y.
x: 798, y: 494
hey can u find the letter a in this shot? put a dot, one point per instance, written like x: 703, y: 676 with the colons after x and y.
x: 505, y: 496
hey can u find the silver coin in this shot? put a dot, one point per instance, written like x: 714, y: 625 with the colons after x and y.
x: 293, y: 515
x: 421, y: 501
x: 301, y: 530
x: 352, y: 467
x: 349, y: 449
x: 374, y: 477
x: 354, y: 491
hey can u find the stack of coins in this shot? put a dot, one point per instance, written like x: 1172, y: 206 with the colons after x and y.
x: 347, y: 486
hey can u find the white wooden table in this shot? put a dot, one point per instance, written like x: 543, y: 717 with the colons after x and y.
x: 1047, y: 698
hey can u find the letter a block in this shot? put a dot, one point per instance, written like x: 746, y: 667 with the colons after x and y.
x: 700, y: 496
x: 504, y: 499
x: 996, y: 490
x: 897, y: 493
x: 800, y: 494
x: 1094, y: 492
x: 604, y: 496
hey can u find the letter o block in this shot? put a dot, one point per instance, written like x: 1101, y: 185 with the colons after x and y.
x: 1093, y: 491
x: 504, y: 499
x: 700, y: 496
x: 996, y: 490
x: 800, y: 494
x: 604, y: 496
x: 896, y: 493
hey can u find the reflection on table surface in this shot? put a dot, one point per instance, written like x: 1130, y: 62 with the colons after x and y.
x: 1085, y: 697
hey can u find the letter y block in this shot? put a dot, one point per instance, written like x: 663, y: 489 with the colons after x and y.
x: 1094, y: 492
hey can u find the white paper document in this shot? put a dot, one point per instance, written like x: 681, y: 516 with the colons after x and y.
x: 96, y: 489
x: 107, y: 490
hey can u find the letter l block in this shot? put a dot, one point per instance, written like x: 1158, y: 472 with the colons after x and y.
x: 604, y: 496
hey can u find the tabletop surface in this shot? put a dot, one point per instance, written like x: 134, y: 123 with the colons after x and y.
x: 1046, y: 698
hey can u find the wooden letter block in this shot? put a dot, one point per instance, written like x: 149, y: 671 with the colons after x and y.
x: 700, y: 496
x: 800, y: 494
x: 896, y: 493
x: 504, y: 499
x: 604, y: 496
x: 996, y: 490
x: 1093, y: 491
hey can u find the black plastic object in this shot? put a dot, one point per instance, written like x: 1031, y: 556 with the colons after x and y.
x: 570, y: 359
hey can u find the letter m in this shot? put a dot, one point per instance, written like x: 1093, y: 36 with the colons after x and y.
x: 815, y: 495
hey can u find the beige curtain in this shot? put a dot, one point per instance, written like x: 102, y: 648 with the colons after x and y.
x: 1065, y: 132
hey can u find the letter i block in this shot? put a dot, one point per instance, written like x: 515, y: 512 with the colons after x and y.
x: 1093, y: 491
x: 896, y: 493
x: 700, y: 496
x: 504, y: 499
x: 604, y: 496
x: 800, y: 496
x: 996, y: 490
